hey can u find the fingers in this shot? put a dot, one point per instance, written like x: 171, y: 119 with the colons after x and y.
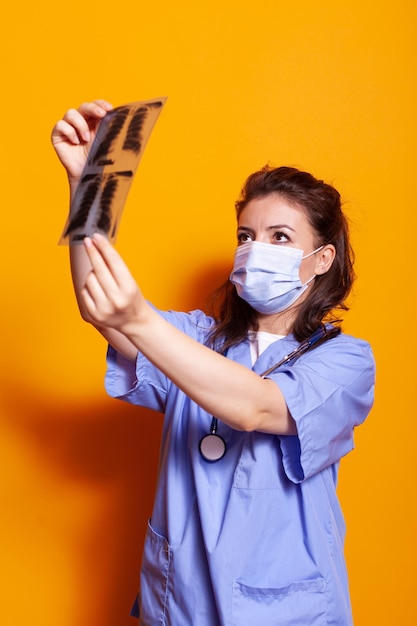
x: 100, y: 291
x: 98, y: 108
x: 93, y: 295
x: 102, y: 269
x: 105, y: 261
x: 76, y: 124
x: 110, y: 294
x: 65, y: 131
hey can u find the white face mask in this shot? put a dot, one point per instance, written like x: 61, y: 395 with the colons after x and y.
x: 267, y: 276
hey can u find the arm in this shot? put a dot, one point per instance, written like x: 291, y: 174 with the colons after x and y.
x: 80, y: 268
x: 226, y: 389
x: 72, y: 138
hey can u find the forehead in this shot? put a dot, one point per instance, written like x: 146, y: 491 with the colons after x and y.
x: 274, y: 209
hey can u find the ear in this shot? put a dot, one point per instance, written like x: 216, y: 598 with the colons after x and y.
x: 324, y: 259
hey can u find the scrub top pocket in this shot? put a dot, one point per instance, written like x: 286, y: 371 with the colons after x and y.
x: 297, y: 604
x: 154, y: 578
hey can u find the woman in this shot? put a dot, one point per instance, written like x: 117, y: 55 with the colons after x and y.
x: 248, y: 530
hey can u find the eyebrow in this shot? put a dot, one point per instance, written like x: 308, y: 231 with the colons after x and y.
x: 273, y: 227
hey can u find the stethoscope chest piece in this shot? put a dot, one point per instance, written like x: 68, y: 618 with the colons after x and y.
x: 212, y: 446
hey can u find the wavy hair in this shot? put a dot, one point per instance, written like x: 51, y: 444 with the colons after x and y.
x: 329, y: 291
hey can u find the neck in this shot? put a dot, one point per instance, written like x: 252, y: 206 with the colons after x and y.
x: 278, y: 324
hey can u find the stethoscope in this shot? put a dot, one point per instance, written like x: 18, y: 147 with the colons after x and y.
x: 212, y: 446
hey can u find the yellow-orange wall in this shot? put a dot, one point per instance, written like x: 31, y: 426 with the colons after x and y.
x: 326, y: 86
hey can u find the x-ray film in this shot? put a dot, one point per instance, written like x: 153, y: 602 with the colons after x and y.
x: 101, y: 194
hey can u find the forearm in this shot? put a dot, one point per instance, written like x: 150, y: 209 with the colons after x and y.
x: 224, y: 388
x: 80, y: 268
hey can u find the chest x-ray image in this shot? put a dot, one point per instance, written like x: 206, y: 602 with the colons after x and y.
x: 100, y: 197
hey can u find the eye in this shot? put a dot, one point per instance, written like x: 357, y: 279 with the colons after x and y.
x: 244, y: 237
x: 280, y: 237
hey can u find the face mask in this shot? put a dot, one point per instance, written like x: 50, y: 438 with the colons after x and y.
x: 267, y: 276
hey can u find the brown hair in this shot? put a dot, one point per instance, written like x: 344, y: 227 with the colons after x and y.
x: 329, y: 291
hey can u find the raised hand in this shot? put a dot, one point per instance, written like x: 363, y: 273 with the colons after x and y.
x: 73, y: 136
x: 110, y: 295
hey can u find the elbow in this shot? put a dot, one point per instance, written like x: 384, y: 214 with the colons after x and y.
x: 253, y: 421
x: 267, y: 422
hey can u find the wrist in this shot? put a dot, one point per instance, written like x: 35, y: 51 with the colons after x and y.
x: 143, y: 325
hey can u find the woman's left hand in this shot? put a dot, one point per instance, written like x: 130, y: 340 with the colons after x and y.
x: 110, y: 295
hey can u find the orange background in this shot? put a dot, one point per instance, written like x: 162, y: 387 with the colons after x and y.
x: 325, y: 86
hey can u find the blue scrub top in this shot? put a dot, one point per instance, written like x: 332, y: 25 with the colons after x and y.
x: 257, y: 537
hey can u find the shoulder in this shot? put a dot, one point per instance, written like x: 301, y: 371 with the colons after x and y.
x: 336, y: 346
x: 340, y: 355
x: 348, y: 345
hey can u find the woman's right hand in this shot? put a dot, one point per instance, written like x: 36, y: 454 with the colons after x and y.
x: 73, y: 136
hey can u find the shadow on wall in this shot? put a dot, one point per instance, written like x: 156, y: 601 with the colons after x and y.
x: 202, y: 285
x: 85, y: 491
x: 85, y: 488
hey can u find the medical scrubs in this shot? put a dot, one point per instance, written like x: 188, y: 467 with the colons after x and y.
x: 257, y: 537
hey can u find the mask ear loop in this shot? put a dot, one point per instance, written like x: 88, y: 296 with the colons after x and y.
x: 313, y: 252
x: 306, y: 257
